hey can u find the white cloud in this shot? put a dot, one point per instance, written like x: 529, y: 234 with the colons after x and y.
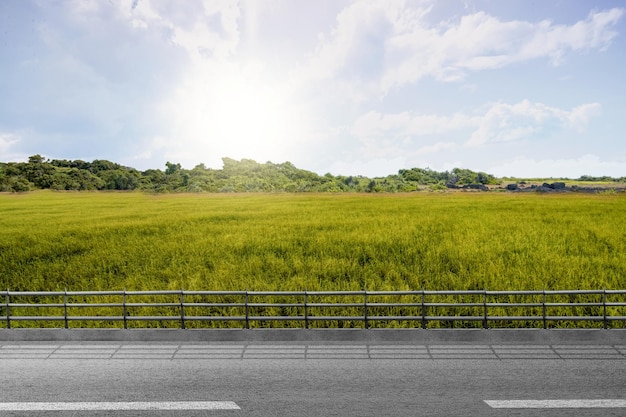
x: 202, y: 28
x: 350, y: 58
x: 500, y: 121
x: 504, y: 122
x: 480, y: 41
x: 373, y: 125
x: 7, y: 140
x: 212, y: 32
x: 579, y: 117
x: 357, y: 42
x: 437, y: 147
x: 399, y: 133
x: 375, y: 167
x: 383, y: 45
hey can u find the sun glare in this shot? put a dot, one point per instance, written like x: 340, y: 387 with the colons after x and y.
x: 238, y: 117
x: 250, y: 115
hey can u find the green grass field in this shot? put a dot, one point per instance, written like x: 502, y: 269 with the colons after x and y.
x: 106, y: 241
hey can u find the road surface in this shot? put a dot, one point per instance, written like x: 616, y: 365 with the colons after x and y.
x: 314, y: 379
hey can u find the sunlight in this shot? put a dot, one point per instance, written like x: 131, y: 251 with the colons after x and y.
x: 239, y: 117
x: 250, y: 116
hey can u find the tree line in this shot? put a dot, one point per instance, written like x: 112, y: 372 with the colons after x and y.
x: 245, y: 175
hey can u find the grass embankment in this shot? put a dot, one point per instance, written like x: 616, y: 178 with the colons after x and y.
x: 108, y: 241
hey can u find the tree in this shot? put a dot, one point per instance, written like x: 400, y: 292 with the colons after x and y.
x: 103, y: 165
x: 35, y: 159
x: 38, y: 172
x: 120, y: 179
x: 153, y: 179
x: 172, y: 168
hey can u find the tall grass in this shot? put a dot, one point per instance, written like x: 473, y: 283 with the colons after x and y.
x: 108, y: 241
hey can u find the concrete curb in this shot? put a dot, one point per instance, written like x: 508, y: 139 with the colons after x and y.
x: 421, y: 336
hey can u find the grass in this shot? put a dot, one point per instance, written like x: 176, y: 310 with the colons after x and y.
x: 111, y: 241
x: 107, y: 241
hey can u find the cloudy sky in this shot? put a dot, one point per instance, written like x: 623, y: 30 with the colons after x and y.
x: 530, y: 88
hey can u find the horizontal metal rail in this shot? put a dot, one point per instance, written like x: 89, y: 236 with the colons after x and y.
x: 419, y: 308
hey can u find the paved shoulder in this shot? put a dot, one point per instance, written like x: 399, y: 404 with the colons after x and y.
x: 305, y: 351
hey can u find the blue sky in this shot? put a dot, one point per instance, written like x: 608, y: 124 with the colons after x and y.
x: 513, y: 88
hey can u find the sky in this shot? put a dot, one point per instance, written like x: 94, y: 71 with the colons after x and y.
x: 525, y: 88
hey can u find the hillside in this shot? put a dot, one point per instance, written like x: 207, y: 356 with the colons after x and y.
x: 250, y: 176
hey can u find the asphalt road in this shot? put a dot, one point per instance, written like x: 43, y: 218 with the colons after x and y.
x: 339, y: 379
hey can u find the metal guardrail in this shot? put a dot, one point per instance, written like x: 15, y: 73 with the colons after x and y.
x: 365, y: 309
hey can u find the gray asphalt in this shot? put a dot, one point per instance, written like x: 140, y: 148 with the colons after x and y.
x: 303, y: 379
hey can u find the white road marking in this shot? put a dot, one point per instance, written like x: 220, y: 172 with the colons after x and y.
x: 556, y: 403
x: 119, y: 406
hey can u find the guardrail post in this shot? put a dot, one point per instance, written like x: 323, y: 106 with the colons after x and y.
x: 247, y: 325
x: 306, y: 310
x: 65, y: 308
x: 543, y: 307
x: 124, y: 312
x: 8, y: 309
x: 424, y: 323
x: 606, y: 324
x: 485, y: 316
x: 366, y: 323
x: 182, y: 309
